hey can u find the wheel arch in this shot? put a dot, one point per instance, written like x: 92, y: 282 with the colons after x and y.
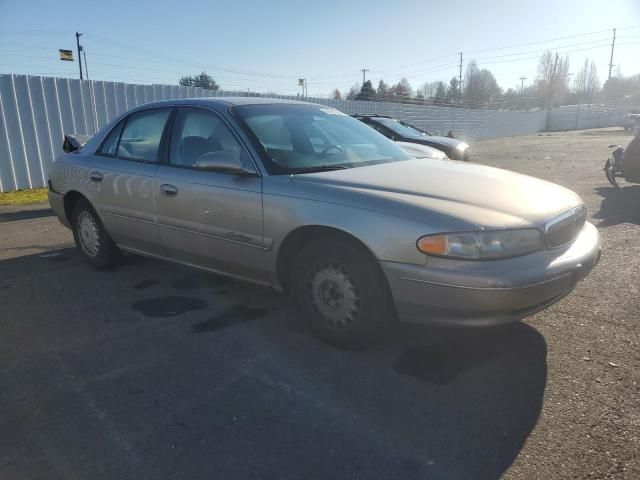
x: 301, y: 236
x: 70, y: 199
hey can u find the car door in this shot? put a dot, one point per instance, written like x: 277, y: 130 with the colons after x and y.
x: 207, y: 218
x: 123, y: 175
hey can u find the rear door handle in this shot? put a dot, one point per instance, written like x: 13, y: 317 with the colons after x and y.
x: 96, y: 177
x: 168, y: 190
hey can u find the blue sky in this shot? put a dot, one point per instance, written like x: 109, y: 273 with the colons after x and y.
x: 266, y: 46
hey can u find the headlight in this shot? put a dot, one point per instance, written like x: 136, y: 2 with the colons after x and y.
x: 482, y: 245
x: 462, y: 146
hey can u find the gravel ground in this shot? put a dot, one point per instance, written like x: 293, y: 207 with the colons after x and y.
x: 589, y: 426
x: 150, y: 370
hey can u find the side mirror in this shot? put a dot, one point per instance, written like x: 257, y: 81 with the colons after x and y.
x: 74, y: 142
x: 222, y: 161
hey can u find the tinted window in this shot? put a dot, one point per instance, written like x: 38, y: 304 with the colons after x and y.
x: 196, y: 132
x: 399, y: 128
x: 305, y: 138
x: 141, y: 135
x: 379, y: 128
x: 111, y: 142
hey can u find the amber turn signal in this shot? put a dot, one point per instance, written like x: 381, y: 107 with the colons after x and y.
x: 434, y: 245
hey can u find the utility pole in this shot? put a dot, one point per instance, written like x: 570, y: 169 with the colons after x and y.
x: 86, y: 65
x: 302, y: 82
x: 364, y: 71
x: 613, y: 44
x: 78, y: 35
x: 460, y: 79
x: 522, y: 79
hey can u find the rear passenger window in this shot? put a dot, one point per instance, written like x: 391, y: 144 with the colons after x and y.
x: 110, y: 144
x: 141, y: 135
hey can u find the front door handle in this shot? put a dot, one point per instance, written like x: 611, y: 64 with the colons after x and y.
x: 168, y: 190
x: 96, y: 177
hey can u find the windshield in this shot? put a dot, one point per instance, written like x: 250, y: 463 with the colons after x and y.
x: 308, y: 138
x: 400, y: 128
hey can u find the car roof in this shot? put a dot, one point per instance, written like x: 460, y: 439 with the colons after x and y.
x: 226, y: 101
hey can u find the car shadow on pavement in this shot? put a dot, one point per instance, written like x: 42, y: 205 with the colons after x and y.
x: 105, y: 387
x: 26, y: 214
x: 483, y: 390
x: 618, y: 206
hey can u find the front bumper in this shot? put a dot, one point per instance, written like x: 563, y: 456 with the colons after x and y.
x: 461, y: 292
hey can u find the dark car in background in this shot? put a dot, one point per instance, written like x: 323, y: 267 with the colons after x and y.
x: 422, y: 151
x: 403, y: 132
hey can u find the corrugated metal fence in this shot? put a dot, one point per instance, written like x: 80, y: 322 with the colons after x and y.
x: 576, y: 117
x: 36, y: 111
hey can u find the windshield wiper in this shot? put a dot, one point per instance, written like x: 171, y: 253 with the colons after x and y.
x: 318, y: 168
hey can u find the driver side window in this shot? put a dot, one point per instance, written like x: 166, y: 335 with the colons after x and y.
x: 196, y: 132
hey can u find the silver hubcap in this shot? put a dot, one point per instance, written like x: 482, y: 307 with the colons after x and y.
x: 334, y: 295
x: 88, y: 234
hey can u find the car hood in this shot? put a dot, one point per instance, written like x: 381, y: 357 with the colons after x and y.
x: 485, y: 196
x: 419, y: 150
x: 431, y: 139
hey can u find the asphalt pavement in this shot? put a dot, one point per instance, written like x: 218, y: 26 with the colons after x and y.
x: 151, y: 370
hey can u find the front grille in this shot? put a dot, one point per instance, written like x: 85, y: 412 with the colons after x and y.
x: 563, y: 229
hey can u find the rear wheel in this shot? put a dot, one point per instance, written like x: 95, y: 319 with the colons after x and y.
x: 341, y: 293
x: 92, y: 240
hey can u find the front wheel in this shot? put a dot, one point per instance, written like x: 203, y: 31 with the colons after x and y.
x: 341, y: 292
x: 92, y: 240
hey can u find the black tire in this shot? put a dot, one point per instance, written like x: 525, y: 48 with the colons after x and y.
x: 341, y: 292
x: 103, y: 252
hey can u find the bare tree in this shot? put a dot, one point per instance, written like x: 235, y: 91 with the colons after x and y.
x: 336, y: 95
x: 401, y: 91
x: 353, y: 92
x: 619, y: 88
x: 428, y: 89
x: 480, y: 86
x: 553, y: 77
x: 587, y: 83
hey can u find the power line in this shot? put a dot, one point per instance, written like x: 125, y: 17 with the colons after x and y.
x: 536, y: 56
x: 435, y: 59
x: 428, y: 66
x: 541, y: 51
x: 536, y: 43
x: 193, y: 62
